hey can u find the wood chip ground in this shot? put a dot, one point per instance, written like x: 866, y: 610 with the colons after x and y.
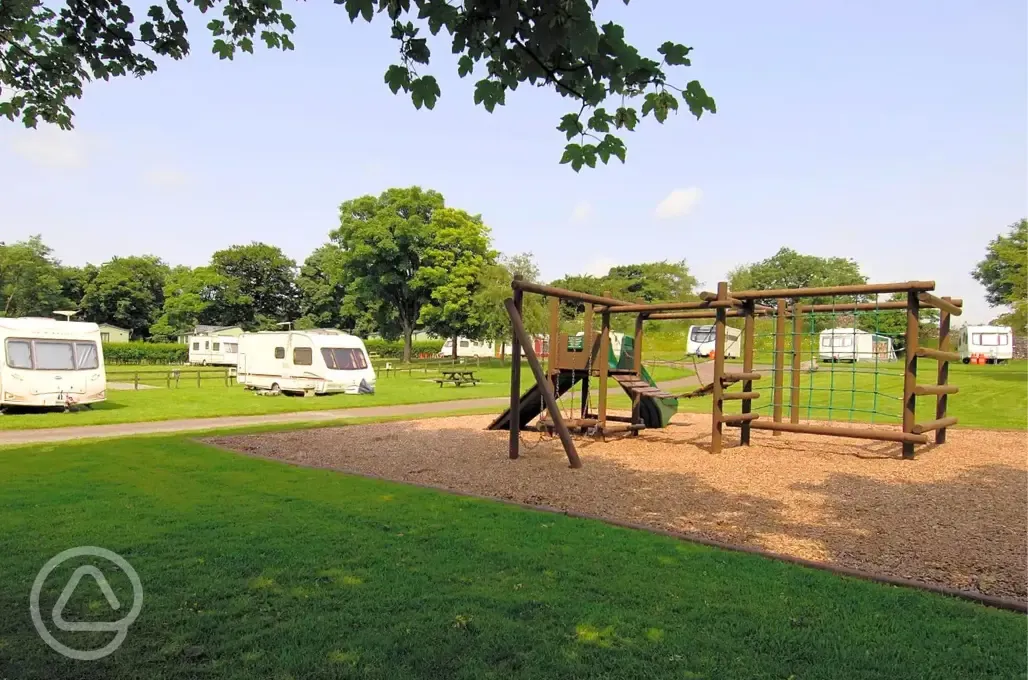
x: 957, y: 515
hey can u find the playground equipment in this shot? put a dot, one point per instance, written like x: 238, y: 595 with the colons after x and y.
x: 571, y: 363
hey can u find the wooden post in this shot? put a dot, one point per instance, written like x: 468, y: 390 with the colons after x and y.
x: 587, y: 347
x: 604, y: 351
x: 545, y: 386
x: 168, y: 380
x: 943, y: 376
x: 797, y: 351
x: 197, y: 378
x: 747, y: 367
x: 135, y: 381
x: 779, y: 384
x: 910, y: 372
x: 719, y: 371
x: 515, y: 381
x: 551, y: 362
x: 637, y: 369
x: 226, y: 377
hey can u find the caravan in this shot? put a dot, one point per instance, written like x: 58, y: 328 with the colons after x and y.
x: 51, y: 363
x: 853, y: 344
x: 215, y: 348
x: 995, y: 343
x: 318, y: 361
x: 701, y: 342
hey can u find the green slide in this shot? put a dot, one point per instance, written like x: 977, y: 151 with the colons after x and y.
x: 654, y: 412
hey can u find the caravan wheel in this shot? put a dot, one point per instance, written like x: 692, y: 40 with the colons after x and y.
x: 966, y: 360
x: 276, y: 388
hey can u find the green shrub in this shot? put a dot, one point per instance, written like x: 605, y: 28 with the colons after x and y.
x: 393, y: 349
x: 145, y: 353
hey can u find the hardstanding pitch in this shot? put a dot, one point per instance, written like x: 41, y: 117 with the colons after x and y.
x: 954, y: 516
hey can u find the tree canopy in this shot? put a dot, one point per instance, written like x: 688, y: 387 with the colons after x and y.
x: 30, y: 283
x: 1004, y: 273
x: 789, y: 269
x: 48, y: 53
x: 409, y: 260
x: 126, y: 292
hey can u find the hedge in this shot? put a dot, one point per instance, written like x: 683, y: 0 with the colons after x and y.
x: 145, y: 353
x: 392, y: 349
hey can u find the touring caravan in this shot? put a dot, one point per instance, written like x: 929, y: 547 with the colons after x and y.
x: 853, y: 344
x: 51, y: 363
x: 217, y: 348
x: 701, y: 342
x: 995, y: 343
x: 319, y: 361
x: 470, y: 348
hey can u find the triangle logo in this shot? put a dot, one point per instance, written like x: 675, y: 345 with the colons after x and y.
x: 69, y: 590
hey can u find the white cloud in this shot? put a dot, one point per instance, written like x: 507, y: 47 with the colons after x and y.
x: 678, y: 203
x: 50, y: 147
x: 166, y: 178
x: 582, y: 212
x: 600, y: 266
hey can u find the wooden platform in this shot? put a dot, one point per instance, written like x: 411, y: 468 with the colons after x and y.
x: 636, y: 385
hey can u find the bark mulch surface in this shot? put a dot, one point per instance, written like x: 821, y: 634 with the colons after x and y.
x: 954, y: 516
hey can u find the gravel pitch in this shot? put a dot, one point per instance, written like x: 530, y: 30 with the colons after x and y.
x: 954, y: 516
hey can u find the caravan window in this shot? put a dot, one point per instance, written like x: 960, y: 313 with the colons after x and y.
x: 280, y: 352
x: 465, y: 343
x: 54, y: 355
x: 196, y: 345
x: 350, y: 359
x: 702, y: 334
x: 835, y: 340
x: 86, y: 355
x: 217, y: 347
x: 303, y: 356
x: 231, y: 347
x: 988, y: 339
x: 206, y: 344
x: 19, y: 354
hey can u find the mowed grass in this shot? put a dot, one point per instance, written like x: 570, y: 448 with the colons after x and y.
x: 214, y: 399
x: 254, y: 569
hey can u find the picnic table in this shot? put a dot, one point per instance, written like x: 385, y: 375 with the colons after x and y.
x: 458, y: 377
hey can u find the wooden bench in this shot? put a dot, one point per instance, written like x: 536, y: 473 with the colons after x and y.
x: 458, y: 378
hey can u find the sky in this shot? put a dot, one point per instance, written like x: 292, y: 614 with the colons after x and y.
x: 893, y: 133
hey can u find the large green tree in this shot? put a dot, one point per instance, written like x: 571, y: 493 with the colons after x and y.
x: 30, y: 281
x: 193, y: 296
x: 1004, y: 273
x: 789, y: 269
x: 452, y: 269
x: 401, y: 247
x: 651, y: 281
x: 127, y: 292
x: 48, y: 51
x: 261, y: 286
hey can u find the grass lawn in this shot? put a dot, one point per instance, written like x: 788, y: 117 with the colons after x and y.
x: 213, y: 399
x: 253, y: 569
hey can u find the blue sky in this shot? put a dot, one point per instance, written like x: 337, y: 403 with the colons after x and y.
x: 892, y: 133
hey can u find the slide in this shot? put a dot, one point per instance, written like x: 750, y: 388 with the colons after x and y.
x: 655, y: 413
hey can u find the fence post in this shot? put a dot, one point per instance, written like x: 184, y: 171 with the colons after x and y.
x: 226, y: 377
x: 943, y: 375
x: 910, y: 370
x: 779, y: 382
x: 135, y: 381
x: 747, y: 367
x: 198, y: 377
x: 178, y: 375
x: 168, y: 380
x: 719, y: 370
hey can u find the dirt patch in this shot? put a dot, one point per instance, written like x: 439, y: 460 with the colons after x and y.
x: 954, y: 516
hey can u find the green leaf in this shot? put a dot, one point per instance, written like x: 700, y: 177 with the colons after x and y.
x: 600, y: 120
x: 223, y: 49
x: 626, y: 118
x: 572, y: 155
x: 246, y: 45
x: 675, y: 54
x: 613, y: 146
x: 216, y: 27
x: 660, y: 103
x: 465, y: 66
x: 287, y: 22
x: 365, y: 8
x: 589, y: 155
x: 571, y: 125
x: 489, y: 93
x: 697, y: 99
x: 425, y: 90
x: 397, y: 77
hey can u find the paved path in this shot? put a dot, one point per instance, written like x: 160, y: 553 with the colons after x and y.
x: 58, y: 434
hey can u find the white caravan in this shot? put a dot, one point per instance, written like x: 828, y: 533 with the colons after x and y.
x: 853, y: 344
x: 51, y: 363
x: 701, y: 342
x: 995, y: 342
x: 322, y: 361
x: 213, y: 349
x: 470, y: 348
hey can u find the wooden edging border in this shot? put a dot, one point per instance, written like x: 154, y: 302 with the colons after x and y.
x: 994, y: 601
